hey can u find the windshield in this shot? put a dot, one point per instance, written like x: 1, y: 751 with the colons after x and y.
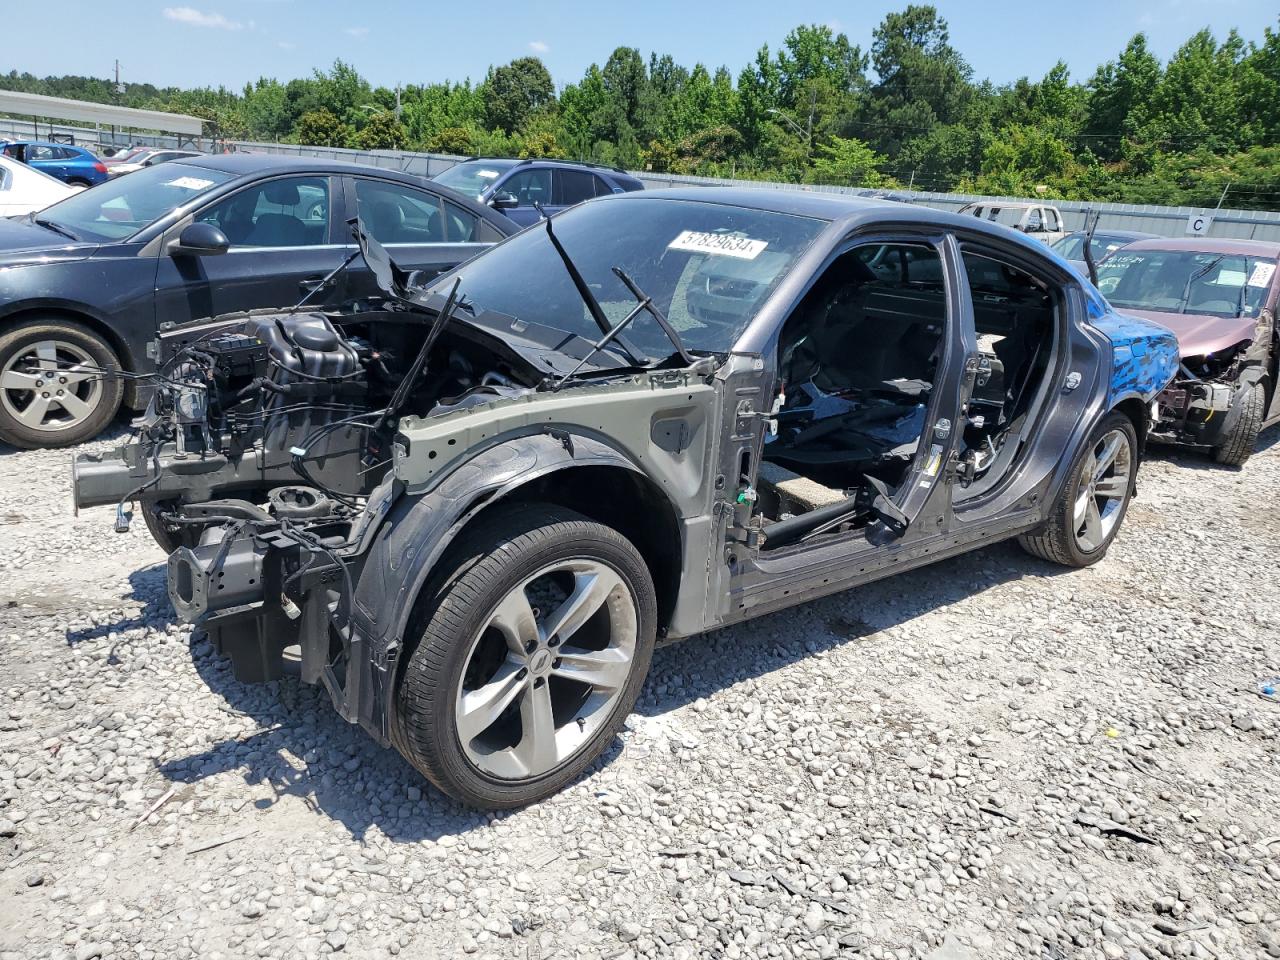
x: 1186, y: 281
x: 1008, y: 216
x: 707, y: 266
x: 120, y: 208
x: 1072, y: 246
x: 473, y: 177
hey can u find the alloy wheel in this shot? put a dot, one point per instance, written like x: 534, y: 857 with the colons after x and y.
x: 50, y: 385
x: 1105, y: 479
x: 544, y: 673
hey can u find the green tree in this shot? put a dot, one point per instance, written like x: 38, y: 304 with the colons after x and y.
x: 1119, y: 97
x: 320, y: 128
x: 846, y: 162
x: 921, y: 78
x: 817, y: 53
x: 382, y: 132
x: 266, y: 110
x: 513, y: 92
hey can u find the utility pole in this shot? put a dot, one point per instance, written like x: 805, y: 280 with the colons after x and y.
x: 397, y: 101
x: 119, y: 95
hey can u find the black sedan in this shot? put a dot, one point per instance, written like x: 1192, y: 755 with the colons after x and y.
x: 85, y: 284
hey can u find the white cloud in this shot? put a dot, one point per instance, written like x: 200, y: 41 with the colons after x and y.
x: 539, y: 46
x: 285, y: 45
x: 356, y: 32
x: 194, y: 18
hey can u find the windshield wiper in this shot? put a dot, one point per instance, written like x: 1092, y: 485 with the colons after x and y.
x: 588, y: 298
x: 1186, y: 290
x: 644, y: 304
x: 1243, y: 298
x: 55, y: 227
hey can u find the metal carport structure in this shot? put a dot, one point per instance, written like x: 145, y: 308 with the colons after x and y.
x: 100, y: 114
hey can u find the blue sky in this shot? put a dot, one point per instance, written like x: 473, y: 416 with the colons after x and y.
x: 197, y: 42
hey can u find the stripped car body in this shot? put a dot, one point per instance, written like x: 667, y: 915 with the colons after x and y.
x: 897, y: 385
x: 1219, y: 297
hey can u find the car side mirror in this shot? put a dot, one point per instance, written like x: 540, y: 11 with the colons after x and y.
x: 200, y: 240
x: 504, y: 201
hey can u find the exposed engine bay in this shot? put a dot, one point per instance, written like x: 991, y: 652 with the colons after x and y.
x: 268, y: 434
x: 1195, y: 408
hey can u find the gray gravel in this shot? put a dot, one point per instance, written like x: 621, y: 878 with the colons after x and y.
x: 987, y: 758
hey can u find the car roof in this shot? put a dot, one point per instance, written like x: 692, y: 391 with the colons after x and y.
x: 1226, y: 245
x: 1108, y: 232
x: 797, y: 203
x: 846, y: 210
x: 509, y: 162
x: 44, y: 143
x: 243, y: 164
x: 1008, y: 204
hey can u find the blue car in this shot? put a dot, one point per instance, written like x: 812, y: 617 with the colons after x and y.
x: 73, y: 165
x: 520, y: 188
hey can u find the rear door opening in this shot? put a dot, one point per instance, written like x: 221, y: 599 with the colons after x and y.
x: 1016, y: 317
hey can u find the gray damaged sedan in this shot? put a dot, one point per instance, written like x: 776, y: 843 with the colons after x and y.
x: 471, y: 508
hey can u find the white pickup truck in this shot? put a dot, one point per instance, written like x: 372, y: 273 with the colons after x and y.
x: 1034, y: 219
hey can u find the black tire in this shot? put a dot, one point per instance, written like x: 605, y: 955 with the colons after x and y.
x: 1057, y: 540
x: 1244, y: 435
x: 106, y: 398
x: 486, y: 563
x: 78, y: 182
x: 168, y: 540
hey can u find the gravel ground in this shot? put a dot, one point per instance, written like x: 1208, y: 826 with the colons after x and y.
x: 990, y: 757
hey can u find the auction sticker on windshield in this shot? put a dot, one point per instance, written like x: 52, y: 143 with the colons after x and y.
x: 189, y: 183
x: 1261, y: 275
x: 720, y: 244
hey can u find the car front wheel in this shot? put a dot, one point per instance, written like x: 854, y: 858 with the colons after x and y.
x: 58, y: 384
x: 531, y: 656
x: 1239, y: 443
x: 1088, y: 515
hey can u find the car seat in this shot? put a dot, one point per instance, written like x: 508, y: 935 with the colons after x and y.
x: 386, y: 221
x: 278, y: 229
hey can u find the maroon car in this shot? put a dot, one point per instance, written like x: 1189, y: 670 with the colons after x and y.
x: 1219, y: 298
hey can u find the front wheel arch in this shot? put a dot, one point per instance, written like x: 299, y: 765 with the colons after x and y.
x: 1139, y: 414
x: 96, y: 324
x: 400, y: 573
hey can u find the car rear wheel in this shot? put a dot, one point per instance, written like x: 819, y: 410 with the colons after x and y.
x: 531, y: 656
x: 78, y: 182
x: 1088, y: 515
x: 1244, y: 435
x: 52, y: 389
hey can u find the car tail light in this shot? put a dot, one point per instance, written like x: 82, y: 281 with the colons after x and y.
x: 100, y: 167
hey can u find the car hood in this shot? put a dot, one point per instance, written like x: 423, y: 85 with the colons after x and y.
x: 1199, y: 334
x: 22, y: 242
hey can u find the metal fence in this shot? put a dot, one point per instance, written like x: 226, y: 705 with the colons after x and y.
x: 93, y: 137
x: 1164, y: 221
